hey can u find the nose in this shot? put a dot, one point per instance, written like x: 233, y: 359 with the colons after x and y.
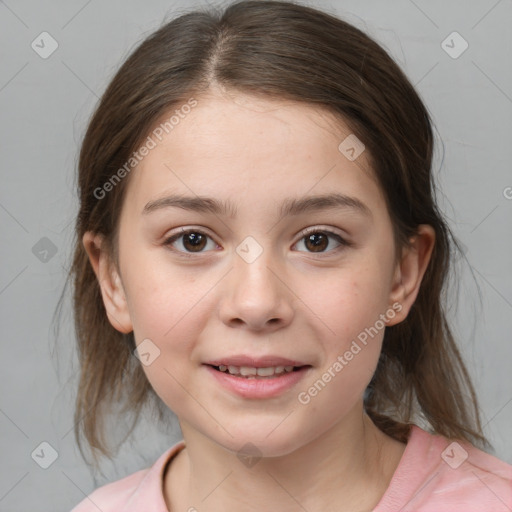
x: 255, y: 297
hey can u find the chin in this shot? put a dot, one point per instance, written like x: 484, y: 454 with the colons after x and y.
x: 264, y: 441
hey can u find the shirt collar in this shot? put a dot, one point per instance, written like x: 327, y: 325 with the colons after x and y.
x: 149, y: 494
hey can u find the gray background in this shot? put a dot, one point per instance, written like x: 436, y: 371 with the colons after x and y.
x: 45, y: 105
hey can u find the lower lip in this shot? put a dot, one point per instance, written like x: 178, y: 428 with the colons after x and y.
x: 259, y: 388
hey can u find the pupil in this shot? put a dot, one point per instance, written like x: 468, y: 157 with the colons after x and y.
x: 195, y: 240
x: 320, y: 242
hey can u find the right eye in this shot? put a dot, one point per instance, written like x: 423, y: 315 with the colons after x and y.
x: 191, y: 240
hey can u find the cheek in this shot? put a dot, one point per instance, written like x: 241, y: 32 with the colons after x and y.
x: 347, y: 301
x: 348, y: 304
x: 168, y: 306
x: 350, y: 307
x: 168, y: 310
x: 163, y: 298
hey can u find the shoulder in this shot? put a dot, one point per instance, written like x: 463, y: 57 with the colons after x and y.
x: 447, y: 476
x: 128, y: 493
x: 474, y: 477
x: 112, y: 496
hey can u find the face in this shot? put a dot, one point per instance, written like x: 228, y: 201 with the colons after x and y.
x: 249, y: 271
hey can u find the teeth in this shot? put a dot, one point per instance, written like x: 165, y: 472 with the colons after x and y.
x: 266, y: 372
x: 247, y: 371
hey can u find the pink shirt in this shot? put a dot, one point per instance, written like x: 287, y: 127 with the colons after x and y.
x: 434, y: 475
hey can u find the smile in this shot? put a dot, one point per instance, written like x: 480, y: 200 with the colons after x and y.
x: 250, y: 382
x: 253, y: 373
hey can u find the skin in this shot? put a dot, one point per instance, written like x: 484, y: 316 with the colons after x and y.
x: 291, y: 301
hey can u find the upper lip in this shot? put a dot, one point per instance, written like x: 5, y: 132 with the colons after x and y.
x: 255, y: 362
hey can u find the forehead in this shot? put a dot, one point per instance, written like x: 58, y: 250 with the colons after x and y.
x: 234, y: 124
x: 235, y: 145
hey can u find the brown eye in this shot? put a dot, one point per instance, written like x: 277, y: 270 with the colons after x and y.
x: 194, y: 242
x: 320, y: 241
x: 191, y: 241
x: 317, y: 242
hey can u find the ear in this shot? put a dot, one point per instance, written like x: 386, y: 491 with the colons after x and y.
x: 110, y: 283
x: 410, y: 271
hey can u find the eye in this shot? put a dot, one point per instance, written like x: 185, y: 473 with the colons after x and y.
x: 195, y: 241
x: 318, y: 240
x: 192, y: 241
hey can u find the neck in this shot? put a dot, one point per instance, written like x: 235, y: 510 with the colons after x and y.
x: 347, y: 468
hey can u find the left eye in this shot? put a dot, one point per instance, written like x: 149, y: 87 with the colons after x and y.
x: 318, y: 240
x: 193, y: 240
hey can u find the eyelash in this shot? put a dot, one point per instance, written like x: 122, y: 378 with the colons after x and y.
x: 343, y: 243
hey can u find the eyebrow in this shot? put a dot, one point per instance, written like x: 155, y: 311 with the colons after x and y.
x: 291, y: 206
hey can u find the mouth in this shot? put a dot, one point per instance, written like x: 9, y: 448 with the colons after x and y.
x: 261, y: 381
x: 252, y: 372
x: 257, y: 377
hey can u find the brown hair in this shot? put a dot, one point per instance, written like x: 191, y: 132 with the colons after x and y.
x: 288, y: 51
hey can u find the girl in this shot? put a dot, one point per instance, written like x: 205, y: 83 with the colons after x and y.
x: 259, y: 247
